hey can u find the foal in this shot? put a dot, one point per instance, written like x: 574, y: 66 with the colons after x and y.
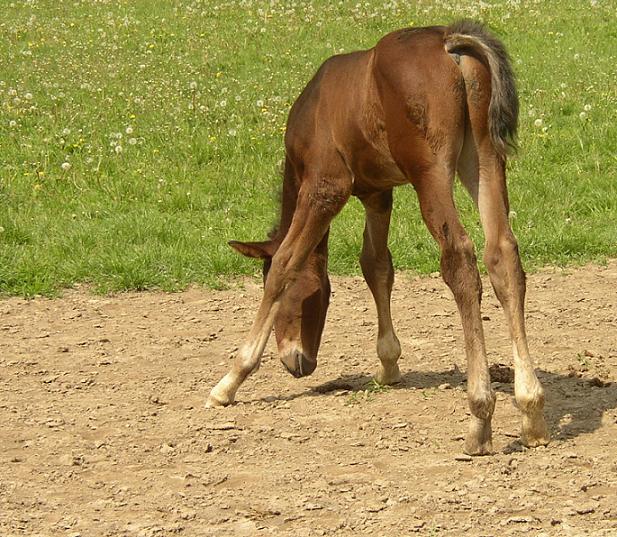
x: 421, y: 105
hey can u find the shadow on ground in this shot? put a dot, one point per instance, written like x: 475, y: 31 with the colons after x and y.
x: 574, y: 405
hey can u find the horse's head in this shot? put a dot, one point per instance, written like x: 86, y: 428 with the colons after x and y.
x: 301, y: 315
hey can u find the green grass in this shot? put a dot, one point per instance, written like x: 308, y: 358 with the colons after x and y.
x: 370, y: 390
x: 196, y: 93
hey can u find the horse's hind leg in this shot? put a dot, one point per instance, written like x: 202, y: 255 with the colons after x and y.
x: 484, y: 177
x: 323, y: 194
x: 376, y: 263
x: 460, y: 272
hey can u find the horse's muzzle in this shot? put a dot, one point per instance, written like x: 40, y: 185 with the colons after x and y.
x: 298, y: 364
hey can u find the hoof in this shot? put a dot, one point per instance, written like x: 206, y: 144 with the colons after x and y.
x: 218, y: 398
x: 478, y: 449
x: 390, y: 376
x: 215, y: 402
x: 479, y: 439
x: 535, y: 433
x: 535, y: 442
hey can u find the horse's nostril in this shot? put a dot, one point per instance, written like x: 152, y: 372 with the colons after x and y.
x: 298, y: 364
x: 305, y: 366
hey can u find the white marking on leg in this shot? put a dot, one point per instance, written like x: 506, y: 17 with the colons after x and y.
x: 389, y: 351
x: 528, y: 391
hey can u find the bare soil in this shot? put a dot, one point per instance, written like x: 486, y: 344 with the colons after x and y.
x: 103, y: 429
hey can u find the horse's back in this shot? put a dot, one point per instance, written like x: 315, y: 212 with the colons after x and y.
x: 402, y: 95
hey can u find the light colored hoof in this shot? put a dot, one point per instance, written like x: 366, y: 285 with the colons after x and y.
x: 535, y: 433
x: 478, y: 449
x: 217, y: 401
x: 479, y: 439
x: 535, y: 442
x: 389, y: 376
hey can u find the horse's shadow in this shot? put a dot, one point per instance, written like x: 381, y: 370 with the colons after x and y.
x: 574, y: 406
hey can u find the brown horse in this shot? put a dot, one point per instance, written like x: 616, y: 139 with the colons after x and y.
x: 421, y: 105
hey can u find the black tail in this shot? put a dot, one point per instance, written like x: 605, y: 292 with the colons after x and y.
x: 503, y: 108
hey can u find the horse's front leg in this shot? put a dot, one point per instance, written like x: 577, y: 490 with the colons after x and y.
x: 376, y: 263
x: 319, y: 200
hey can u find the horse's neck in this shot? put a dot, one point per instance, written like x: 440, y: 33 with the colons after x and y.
x: 289, y: 197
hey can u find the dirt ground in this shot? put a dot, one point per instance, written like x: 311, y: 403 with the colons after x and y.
x: 103, y: 429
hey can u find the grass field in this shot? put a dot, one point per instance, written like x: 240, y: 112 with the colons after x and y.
x: 135, y: 141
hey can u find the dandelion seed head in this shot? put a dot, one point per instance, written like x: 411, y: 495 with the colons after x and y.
x: 538, y: 123
x: 118, y: 149
x: 66, y: 166
x: 129, y: 130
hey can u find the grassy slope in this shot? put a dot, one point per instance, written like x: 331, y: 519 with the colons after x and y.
x: 203, y: 89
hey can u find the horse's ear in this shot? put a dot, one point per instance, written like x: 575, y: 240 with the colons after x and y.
x: 258, y: 250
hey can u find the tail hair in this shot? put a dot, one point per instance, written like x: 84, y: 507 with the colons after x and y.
x: 504, y: 106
